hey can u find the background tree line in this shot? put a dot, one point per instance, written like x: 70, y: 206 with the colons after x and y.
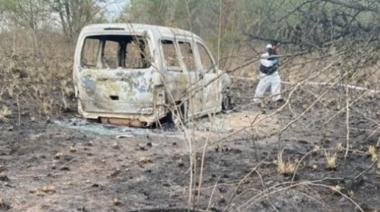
x: 234, y: 30
x: 300, y: 23
x: 37, y: 37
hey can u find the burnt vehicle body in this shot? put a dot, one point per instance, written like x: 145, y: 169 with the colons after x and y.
x: 133, y: 73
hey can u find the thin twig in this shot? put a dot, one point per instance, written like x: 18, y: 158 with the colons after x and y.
x: 347, y: 124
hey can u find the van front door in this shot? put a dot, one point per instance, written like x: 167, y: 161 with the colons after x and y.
x: 212, y: 87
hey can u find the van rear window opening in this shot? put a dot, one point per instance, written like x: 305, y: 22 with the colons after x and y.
x: 114, y: 51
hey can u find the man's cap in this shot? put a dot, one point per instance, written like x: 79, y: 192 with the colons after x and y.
x: 269, y: 46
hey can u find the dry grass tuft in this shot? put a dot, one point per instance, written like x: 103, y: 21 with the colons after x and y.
x: 58, y: 155
x: 340, y: 148
x: 5, y: 113
x: 372, y: 152
x: 48, y: 189
x: 73, y: 149
x: 377, y: 161
x: 116, y: 201
x: 316, y: 148
x: 285, y: 168
x: 331, y: 160
x: 337, y: 188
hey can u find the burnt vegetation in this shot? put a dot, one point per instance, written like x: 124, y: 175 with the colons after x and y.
x: 317, y: 151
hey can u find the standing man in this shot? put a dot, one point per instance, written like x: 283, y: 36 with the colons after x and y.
x: 269, y: 77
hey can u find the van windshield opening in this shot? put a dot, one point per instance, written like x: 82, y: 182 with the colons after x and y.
x: 114, y: 51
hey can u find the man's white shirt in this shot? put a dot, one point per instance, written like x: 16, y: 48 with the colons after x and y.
x: 265, y: 62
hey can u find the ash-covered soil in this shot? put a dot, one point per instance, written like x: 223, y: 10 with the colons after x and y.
x: 226, y: 162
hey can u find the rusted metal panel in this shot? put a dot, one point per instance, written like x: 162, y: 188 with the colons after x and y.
x: 124, y: 122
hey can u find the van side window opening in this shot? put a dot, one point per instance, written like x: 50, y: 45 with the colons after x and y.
x: 205, y: 58
x: 125, y: 51
x: 187, y: 55
x: 137, y: 54
x: 170, y: 53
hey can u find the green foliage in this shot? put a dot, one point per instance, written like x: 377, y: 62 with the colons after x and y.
x: 8, y: 5
x: 26, y: 13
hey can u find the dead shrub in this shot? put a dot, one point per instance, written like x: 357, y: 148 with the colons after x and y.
x: 372, y: 152
x: 5, y: 112
x: 285, y: 167
x: 41, y: 86
x: 331, y: 159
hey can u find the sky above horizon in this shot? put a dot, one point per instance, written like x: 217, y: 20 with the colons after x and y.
x: 114, y: 8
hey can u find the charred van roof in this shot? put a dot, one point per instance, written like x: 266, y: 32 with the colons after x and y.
x: 136, y: 28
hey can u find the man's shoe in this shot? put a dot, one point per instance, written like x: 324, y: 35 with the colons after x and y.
x: 280, y: 102
x: 259, y: 103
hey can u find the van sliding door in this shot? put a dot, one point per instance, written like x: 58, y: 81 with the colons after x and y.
x: 195, y: 88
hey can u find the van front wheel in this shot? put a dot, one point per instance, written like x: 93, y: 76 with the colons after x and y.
x: 179, y: 114
x: 226, y: 103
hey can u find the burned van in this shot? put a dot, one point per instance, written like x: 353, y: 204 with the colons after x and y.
x: 137, y: 74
